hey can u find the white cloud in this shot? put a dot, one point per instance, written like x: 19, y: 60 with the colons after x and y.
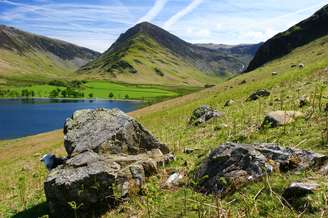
x: 159, y: 5
x: 203, y: 33
x: 270, y: 32
x: 257, y: 35
x: 182, y: 13
x: 218, y: 26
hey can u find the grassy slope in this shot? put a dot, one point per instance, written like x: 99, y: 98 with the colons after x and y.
x: 145, y: 57
x: 21, y: 70
x: 169, y: 122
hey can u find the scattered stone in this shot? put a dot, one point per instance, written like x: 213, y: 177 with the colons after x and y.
x: 301, y: 65
x: 297, y: 189
x: 257, y: 94
x: 242, y: 82
x: 106, y: 148
x: 280, y: 118
x: 228, y: 103
x: 232, y: 165
x: 26, y: 168
x: 274, y: 73
x: 191, y: 150
x: 173, y: 179
x: 305, y: 101
x: 294, y: 65
x: 203, y: 114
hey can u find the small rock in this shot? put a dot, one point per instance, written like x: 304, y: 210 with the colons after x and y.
x: 274, y: 73
x: 191, y: 150
x: 242, y: 82
x: 257, y: 94
x: 203, y: 114
x: 280, y: 118
x: 26, y: 168
x: 228, y: 103
x: 305, y: 101
x: 301, y: 65
x: 297, y: 189
x: 173, y: 179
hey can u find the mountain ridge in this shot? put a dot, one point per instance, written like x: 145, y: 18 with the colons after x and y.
x: 31, y: 57
x: 147, y: 50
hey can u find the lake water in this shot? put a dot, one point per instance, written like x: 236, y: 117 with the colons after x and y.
x: 24, y: 117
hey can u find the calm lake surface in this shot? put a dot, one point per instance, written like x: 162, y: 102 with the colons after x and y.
x: 24, y: 117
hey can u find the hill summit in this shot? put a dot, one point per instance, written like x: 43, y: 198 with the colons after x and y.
x: 149, y: 54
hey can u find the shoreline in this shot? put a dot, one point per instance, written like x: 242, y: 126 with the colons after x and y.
x: 73, y: 99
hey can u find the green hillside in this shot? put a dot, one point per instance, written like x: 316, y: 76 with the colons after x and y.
x: 26, y: 58
x: 147, y: 54
x: 168, y: 121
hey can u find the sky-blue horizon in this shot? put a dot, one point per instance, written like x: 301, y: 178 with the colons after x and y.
x: 97, y: 24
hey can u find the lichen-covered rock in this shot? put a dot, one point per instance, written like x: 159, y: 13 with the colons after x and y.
x: 107, y: 131
x: 280, y: 118
x: 108, y: 151
x: 232, y: 165
x: 203, y: 114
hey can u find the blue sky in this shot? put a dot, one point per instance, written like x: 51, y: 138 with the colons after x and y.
x: 97, y: 24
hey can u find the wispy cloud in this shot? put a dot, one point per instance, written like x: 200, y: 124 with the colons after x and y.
x: 286, y: 15
x: 158, y: 6
x: 182, y: 13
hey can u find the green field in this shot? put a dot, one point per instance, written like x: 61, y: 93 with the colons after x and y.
x: 102, y: 90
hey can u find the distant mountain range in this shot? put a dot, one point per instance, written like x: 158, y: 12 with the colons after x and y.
x: 29, y: 58
x: 298, y: 35
x: 148, y: 54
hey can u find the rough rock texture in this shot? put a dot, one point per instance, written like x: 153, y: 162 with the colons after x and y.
x: 107, y: 131
x: 257, y: 94
x: 280, y: 118
x: 107, y: 150
x: 232, y: 165
x: 203, y: 114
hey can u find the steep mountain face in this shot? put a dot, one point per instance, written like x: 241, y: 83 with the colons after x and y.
x: 149, y: 54
x: 302, y: 33
x: 26, y: 56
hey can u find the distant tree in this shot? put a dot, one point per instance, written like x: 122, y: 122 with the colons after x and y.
x: 91, y: 95
x: 82, y: 95
x: 64, y: 93
x: 32, y: 93
x: 54, y: 93
x: 2, y: 93
x: 127, y: 96
x: 111, y: 95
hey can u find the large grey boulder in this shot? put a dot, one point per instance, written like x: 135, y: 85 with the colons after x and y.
x: 203, y: 114
x: 108, y: 152
x: 107, y: 131
x: 233, y: 165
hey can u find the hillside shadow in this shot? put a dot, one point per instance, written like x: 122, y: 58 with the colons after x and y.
x: 36, y: 211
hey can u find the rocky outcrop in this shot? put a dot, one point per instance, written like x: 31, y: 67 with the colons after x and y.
x: 108, y: 152
x: 203, y: 114
x: 230, y: 166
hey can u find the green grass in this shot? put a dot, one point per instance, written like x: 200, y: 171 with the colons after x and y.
x: 168, y: 121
